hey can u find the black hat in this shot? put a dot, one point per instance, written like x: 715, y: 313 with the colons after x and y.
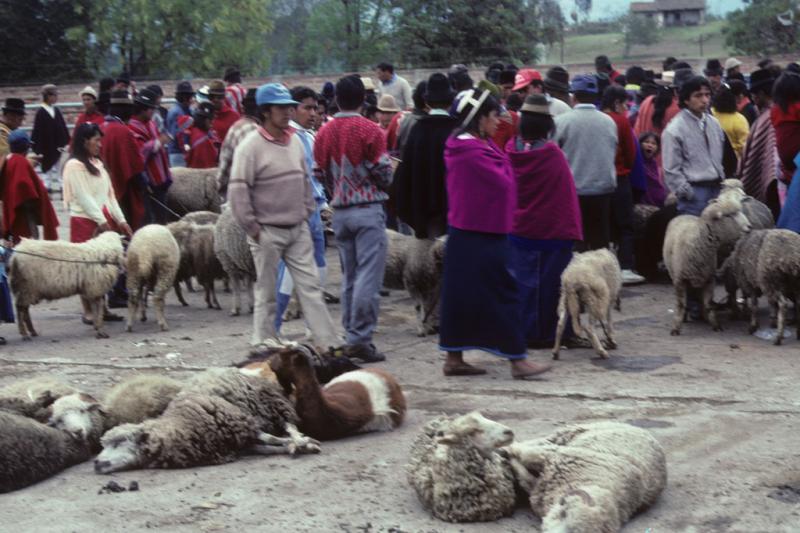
x: 184, y: 87
x: 438, y: 90
x: 156, y: 89
x: 506, y: 77
x: 761, y: 79
x: 120, y: 98
x: 713, y: 68
x: 682, y: 75
x: 125, y: 78
x: 204, y: 110
x: 14, y: 105
x: 232, y: 74
x: 602, y: 62
x: 557, y: 79
x: 147, y: 98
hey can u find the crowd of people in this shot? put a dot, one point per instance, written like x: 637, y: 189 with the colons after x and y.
x: 518, y: 170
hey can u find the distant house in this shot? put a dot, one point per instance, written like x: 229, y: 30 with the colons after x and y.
x: 672, y: 12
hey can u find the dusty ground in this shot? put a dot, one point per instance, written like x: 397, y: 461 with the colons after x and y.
x: 724, y: 405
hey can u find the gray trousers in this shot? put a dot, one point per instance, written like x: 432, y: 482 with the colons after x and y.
x: 361, y: 238
x: 295, y: 247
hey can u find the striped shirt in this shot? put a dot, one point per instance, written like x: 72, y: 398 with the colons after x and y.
x: 235, y: 94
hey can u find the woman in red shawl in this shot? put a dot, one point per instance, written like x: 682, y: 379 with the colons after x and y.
x: 547, y: 221
x: 26, y: 204
x: 201, y: 144
x: 785, y: 115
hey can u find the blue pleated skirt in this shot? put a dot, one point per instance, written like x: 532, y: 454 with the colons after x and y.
x: 6, y: 307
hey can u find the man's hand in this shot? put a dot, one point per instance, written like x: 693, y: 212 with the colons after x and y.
x: 126, y: 229
x: 101, y: 228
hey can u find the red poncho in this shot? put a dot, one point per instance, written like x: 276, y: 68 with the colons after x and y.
x: 506, y: 129
x: 223, y: 120
x: 787, y: 136
x: 203, y: 148
x: 153, y: 154
x: 21, y: 184
x: 122, y: 159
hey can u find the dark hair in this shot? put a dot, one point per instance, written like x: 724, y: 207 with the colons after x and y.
x: 83, y: 133
x: 724, y: 100
x: 103, y: 100
x: 764, y: 63
x: 514, y: 102
x: 621, y: 80
x: 301, y: 92
x: 534, y: 126
x: 602, y: 62
x: 680, y: 64
x: 735, y: 76
x: 386, y: 67
x: 612, y: 95
x: 156, y: 89
x: 121, y: 111
x: 350, y: 92
x: 249, y: 104
x: 635, y: 75
x: 668, y: 62
x: 488, y: 105
x: 106, y: 84
x: 691, y: 86
x: 661, y: 102
x: 793, y: 67
x: 650, y: 135
x: 738, y: 87
x: 370, y: 111
x: 138, y: 108
x: 584, y: 97
x: 460, y: 81
x: 184, y: 98
x: 786, y: 90
x: 418, y: 96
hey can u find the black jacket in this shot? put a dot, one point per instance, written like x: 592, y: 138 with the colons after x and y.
x: 49, y: 134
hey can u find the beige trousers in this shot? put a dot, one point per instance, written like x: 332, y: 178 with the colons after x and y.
x: 295, y: 247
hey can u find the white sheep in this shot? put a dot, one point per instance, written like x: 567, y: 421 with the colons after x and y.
x: 740, y: 272
x: 590, y: 478
x: 152, y: 264
x: 233, y: 253
x: 457, y: 472
x: 757, y: 213
x: 778, y: 275
x: 691, y: 247
x: 193, y: 189
x: 31, y: 397
x: 80, y: 414
x: 591, y: 281
x: 139, y: 398
x: 196, y: 244
x: 49, y: 270
x: 201, y: 217
x: 416, y: 266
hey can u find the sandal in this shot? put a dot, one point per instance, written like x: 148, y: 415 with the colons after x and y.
x: 462, y: 369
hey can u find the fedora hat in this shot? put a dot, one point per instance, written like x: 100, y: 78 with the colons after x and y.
x: 14, y: 105
x: 184, y: 87
x: 387, y: 104
x: 536, y: 103
x: 557, y: 79
x: 439, y: 90
x: 762, y: 79
x: 216, y: 88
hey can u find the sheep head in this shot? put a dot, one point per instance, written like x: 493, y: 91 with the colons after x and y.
x: 582, y: 510
x: 79, y: 414
x: 726, y: 220
x: 483, y: 434
x: 122, y: 449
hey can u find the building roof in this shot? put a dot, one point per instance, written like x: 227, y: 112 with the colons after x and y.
x: 667, y: 5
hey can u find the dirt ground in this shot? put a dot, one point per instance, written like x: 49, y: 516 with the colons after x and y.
x: 724, y: 405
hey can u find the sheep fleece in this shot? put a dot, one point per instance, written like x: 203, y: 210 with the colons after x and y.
x: 139, y: 398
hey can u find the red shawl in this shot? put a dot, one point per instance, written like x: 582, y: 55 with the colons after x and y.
x: 391, y: 131
x: 644, y: 120
x: 203, y: 148
x: 506, y: 129
x: 223, y: 120
x: 123, y: 161
x: 21, y: 184
x: 156, y: 159
x: 787, y: 136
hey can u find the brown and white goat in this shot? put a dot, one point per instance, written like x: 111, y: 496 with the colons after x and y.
x: 354, y: 402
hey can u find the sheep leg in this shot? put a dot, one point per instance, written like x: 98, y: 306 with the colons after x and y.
x: 596, y: 344
x: 143, y: 304
x: 680, y: 309
x: 158, y: 303
x: 179, y: 294
x: 237, y: 296
x: 294, y: 444
x: 29, y: 322
x: 99, y: 316
x: 226, y: 284
x: 708, y: 308
x: 608, y: 330
x: 21, y: 322
x: 188, y: 282
x: 214, y: 296
x: 782, y: 304
x: 753, y: 315
x: 133, y: 302
x: 250, y: 295
x: 562, y: 323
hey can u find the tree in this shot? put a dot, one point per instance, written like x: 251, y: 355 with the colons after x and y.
x: 638, y: 30
x: 763, y: 28
x: 148, y: 37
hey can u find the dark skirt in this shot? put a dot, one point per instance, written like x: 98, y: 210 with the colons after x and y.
x: 6, y: 306
x: 480, y: 306
x: 537, y: 266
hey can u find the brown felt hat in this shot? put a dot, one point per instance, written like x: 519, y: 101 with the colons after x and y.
x: 216, y: 88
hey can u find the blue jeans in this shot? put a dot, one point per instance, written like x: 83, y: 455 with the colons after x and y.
x: 361, y: 238
x: 703, y: 193
x: 177, y: 160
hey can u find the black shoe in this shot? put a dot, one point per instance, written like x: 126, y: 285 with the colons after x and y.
x: 114, y: 303
x: 330, y: 298
x: 111, y: 317
x: 383, y: 292
x: 365, y: 352
x: 2, y: 341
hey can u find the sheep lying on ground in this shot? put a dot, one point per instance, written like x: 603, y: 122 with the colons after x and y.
x: 691, y: 246
x: 152, y: 264
x: 196, y: 243
x: 32, y: 397
x: 457, y: 472
x: 591, y: 281
x: 416, y: 266
x: 193, y: 189
x: 354, y: 402
x: 138, y: 399
x: 233, y: 253
x: 31, y: 451
x: 79, y: 414
x: 216, y: 415
x: 590, y: 478
x: 88, y: 269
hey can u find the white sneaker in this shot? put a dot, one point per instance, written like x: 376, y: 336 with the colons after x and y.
x: 629, y: 277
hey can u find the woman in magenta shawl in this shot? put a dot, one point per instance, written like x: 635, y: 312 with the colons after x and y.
x: 547, y: 221
x: 480, y: 305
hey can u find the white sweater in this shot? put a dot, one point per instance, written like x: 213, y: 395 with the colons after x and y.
x: 85, y: 195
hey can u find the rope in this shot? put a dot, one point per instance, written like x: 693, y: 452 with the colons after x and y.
x: 173, y: 213
x: 64, y: 260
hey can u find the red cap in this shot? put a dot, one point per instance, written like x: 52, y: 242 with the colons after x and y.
x: 525, y: 77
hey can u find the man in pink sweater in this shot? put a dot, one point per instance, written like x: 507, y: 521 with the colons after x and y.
x: 271, y: 198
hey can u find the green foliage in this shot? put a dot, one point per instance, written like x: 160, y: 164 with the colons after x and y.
x: 756, y: 30
x: 149, y: 37
x: 638, y: 30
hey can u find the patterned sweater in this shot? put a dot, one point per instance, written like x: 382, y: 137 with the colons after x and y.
x: 352, y: 163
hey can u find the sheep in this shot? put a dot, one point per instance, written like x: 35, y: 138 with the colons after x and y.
x: 757, y: 213
x: 217, y: 413
x: 31, y: 451
x: 590, y: 478
x: 196, y: 243
x: 778, y: 275
x: 201, y: 217
x: 32, y: 397
x: 49, y: 270
x: 152, y: 264
x: 416, y: 266
x: 233, y: 253
x: 739, y: 272
x: 80, y: 414
x: 691, y: 246
x: 457, y: 472
x: 193, y: 189
x: 138, y: 399
x: 354, y: 402
x: 592, y: 280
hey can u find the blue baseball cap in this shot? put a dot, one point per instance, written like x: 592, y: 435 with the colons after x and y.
x: 584, y: 83
x: 274, y: 94
x: 18, y: 141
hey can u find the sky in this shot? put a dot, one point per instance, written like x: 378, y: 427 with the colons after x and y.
x: 603, y: 9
